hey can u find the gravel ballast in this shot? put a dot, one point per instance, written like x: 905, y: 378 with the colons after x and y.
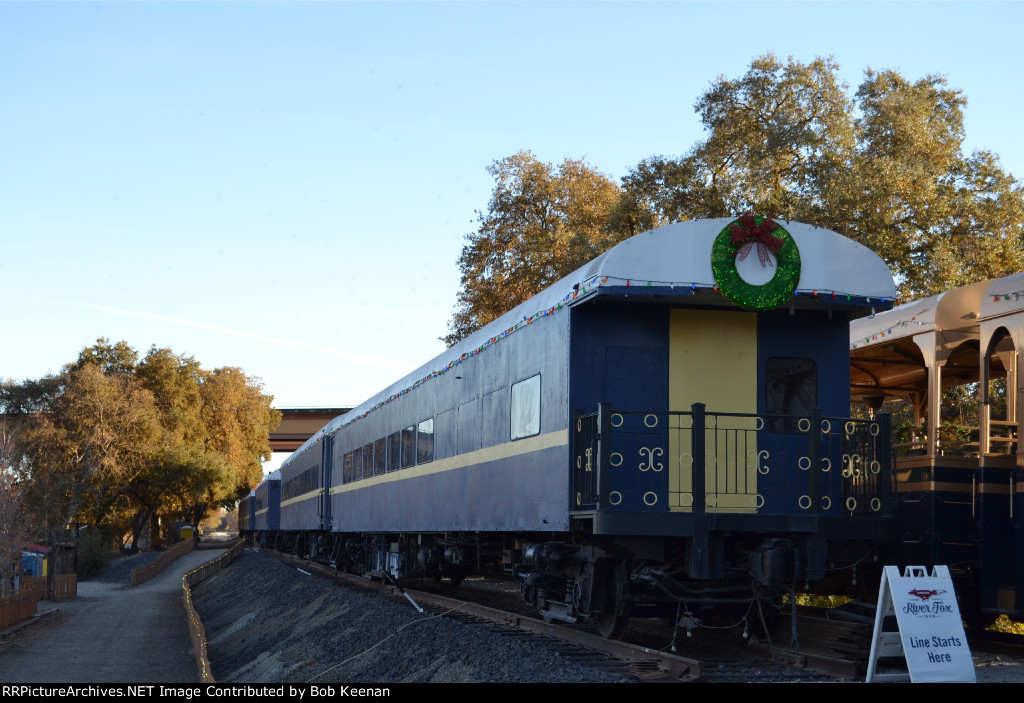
x: 268, y: 623
x: 119, y: 570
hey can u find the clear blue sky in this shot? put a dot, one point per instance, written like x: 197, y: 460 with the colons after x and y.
x: 285, y: 187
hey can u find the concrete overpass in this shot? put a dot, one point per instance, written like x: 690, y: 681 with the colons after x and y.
x: 299, y: 424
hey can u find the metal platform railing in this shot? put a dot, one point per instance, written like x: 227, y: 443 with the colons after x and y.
x: 752, y: 463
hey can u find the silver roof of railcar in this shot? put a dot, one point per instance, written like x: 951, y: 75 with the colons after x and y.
x: 676, y: 257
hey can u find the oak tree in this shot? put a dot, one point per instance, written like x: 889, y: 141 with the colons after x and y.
x: 885, y: 167
x: 89, y: 442
x: 542, y: 222
x: 115, y: 440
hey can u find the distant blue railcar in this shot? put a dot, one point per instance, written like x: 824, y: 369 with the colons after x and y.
x: 267, y: 507
x: 246, y: 508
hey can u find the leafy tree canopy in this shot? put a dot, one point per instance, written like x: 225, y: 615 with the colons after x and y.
x: 884, y: 165
x: 543, y: 222
x: 115, y: 439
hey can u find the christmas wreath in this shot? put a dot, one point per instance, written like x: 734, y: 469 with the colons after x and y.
x: 737, y: 241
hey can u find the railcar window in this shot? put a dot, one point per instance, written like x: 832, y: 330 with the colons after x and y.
x: 357, y: 464
x: 380, y: 456
x: 301, y: 483
x: 526, y: 408
x: 368, y: 460
x: 425, y: 441
x: 346, y: 468
x: 408, y: 446
x: 394, y: 451
x: 791, y: 388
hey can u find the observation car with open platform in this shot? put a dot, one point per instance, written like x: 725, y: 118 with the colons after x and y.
x: 664, y: 431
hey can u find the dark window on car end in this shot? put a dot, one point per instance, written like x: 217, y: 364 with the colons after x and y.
x: 791, y: 388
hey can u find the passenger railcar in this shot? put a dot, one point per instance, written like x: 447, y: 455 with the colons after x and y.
x: 958, y: 480
x: 653, y: 433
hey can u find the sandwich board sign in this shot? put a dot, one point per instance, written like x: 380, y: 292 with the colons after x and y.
x: 930, y: 635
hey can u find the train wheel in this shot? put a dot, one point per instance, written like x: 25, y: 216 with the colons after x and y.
x: 613, y: 621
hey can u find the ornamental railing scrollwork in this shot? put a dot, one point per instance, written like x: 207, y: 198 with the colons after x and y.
x: 730, y: 462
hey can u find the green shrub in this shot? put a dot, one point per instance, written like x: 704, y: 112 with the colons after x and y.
x: 93, y: 554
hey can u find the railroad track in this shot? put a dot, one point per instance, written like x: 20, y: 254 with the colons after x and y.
x: 710, y: 656
x: 636, y: 661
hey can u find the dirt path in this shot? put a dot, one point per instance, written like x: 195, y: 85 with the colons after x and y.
x: 109, y: 634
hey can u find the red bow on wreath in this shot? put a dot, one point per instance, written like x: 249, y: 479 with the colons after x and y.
x: 747, y: 233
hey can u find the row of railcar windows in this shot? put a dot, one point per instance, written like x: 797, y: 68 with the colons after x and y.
x: 307, y: 481
x: 409, y: 446
x: 414, y: 444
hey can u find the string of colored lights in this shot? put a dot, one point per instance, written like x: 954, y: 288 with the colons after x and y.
x: 888, y: 330
x: 1006, y: 296
x: 580, y: 291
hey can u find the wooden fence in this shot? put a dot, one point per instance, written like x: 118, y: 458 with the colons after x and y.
x: 147, y: 572
x: 195, y: 626
x: 22, y: 605
x: 65, y: 586
x: 61, y: 587
x: 36, y: 584
x: 18, y: 607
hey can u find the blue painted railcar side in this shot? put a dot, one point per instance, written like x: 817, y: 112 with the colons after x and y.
x: 478, y: 478
x: 482, y: 450
x: 301, y: 485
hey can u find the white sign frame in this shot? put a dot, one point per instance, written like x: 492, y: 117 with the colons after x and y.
x: 930, y: 633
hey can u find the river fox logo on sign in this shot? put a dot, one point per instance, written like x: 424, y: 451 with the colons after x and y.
x: 924, y: 594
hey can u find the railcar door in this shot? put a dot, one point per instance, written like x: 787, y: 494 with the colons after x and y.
x: 713, y: 360
x: 327, y: 465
